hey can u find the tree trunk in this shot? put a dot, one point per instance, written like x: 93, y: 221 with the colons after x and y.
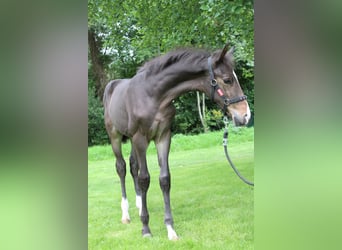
x: 97, y: 64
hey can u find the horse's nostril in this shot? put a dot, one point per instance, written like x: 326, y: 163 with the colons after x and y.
x: 247, y: 117
x: 238, y: 121
x: 241, y: 120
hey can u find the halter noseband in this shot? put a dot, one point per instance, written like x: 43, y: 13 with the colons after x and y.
x: 219, y: 91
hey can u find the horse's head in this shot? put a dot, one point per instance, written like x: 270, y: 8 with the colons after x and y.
x: 226, y: 85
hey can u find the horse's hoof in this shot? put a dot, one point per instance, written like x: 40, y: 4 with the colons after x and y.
x: 148, y: 235
x: 126, y: 221
x: 174, y: 238
x: 171, y: 234
x: 146, y: 232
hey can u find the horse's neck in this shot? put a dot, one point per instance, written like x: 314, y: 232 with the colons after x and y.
x: 197, y: 84
x: 177, y: 80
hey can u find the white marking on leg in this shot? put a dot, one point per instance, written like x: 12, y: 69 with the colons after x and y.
x: 171, y: 234
x: 138, y: 203
x: 125, y: 215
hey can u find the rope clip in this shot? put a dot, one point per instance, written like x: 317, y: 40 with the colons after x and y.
x: 226, y: 122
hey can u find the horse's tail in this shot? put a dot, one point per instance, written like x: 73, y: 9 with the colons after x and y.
x: 106, y: 97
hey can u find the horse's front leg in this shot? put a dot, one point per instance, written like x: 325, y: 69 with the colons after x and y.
x: 140, y: 144
x: 163, y: 148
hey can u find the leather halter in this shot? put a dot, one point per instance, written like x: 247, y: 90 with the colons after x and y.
x: 219, y: 91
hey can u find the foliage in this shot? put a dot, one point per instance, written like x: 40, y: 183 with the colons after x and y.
x: 134, y: 31
x: 96, y: 129
x: 185, y: 121
x: 214, y: 119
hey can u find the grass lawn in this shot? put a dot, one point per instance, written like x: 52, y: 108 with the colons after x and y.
x: 212, y: 208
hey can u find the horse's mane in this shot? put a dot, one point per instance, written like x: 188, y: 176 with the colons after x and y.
x: 184, y: 56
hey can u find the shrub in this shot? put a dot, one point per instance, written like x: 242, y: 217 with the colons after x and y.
x: 96, y: 129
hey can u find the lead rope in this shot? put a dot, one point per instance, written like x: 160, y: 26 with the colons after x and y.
x: 225, y: 143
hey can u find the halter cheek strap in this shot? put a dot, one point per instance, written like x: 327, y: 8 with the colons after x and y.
x: 216, y: 89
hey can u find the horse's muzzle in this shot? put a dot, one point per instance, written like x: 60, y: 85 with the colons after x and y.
x: 240, y: 117
x: 240, y: 120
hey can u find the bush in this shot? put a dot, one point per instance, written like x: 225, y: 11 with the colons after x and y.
x: 96, y: 128
x: 186, y: 120
x: 214, y: 119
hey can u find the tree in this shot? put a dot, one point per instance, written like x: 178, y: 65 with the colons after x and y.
x: 98, y: 66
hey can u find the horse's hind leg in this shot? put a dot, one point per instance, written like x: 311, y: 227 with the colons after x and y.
x: 134, y: 167
x: 121, y: 170
x: 163, y: 148
x: 140, y: 145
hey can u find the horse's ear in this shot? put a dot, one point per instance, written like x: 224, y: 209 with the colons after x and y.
x: 231, y: 51
x: 223, y: 53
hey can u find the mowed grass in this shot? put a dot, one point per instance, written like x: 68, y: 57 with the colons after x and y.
x: 212, y: 208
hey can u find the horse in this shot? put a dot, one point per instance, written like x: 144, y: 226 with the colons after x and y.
x: 141, y: 109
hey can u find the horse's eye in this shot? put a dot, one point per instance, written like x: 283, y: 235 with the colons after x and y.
x: 227, y: 81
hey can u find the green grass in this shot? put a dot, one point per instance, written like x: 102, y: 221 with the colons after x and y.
x: 212, y: 207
